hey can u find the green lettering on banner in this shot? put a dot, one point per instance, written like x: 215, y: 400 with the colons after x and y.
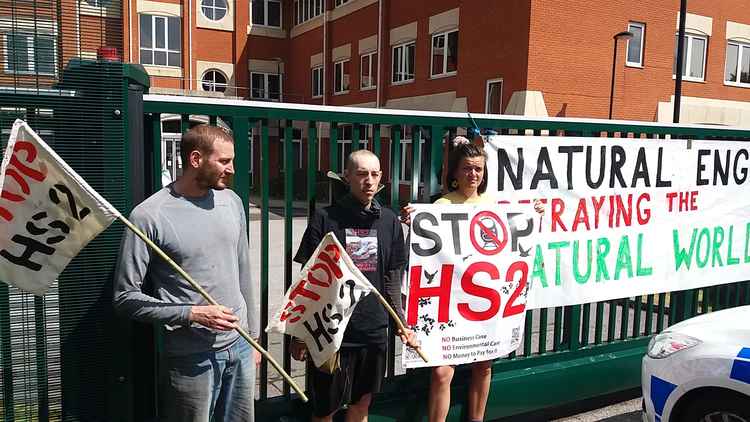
x: 601, y: 265
x: 538, y: 271
x: 718, y: 240
x: 556, y: 246
x: 681, y: 257
x: 704, y: 234
x: 624, y: 261
x: 747, y: 243
x: 730, y: 259
x: 582, y: 278
x: 641, y: 271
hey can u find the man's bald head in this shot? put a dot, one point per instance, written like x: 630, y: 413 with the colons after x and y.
x: 357, y: 156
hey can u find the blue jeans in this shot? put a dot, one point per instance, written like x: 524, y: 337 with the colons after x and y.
x: 211, y: 386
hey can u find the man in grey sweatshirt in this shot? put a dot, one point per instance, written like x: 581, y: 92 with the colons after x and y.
x: 209, y: 371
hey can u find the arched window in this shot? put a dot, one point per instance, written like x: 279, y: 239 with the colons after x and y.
x: 214, y: 80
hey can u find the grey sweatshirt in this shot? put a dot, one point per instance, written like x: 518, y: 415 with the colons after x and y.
x: 207, y: 237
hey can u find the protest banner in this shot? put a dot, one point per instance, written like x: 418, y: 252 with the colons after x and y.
x: 468, y: 281
x: 48, y: 213
x: 628, y: 217
x: 321, y: 299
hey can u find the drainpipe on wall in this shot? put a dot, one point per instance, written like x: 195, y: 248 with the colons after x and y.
x: 325, y: 51
x: 190, y: 45
x: 379, y: 80
x: 130, y: 31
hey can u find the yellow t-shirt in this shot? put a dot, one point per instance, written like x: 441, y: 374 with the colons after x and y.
x: 455, y: 197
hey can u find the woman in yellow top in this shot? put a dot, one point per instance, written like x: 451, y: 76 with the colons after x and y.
x: 467, y: 182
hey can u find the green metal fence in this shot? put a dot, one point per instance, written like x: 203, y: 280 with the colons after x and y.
x: 565, y: 351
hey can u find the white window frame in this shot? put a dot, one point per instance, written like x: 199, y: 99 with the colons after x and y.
x: 487, y: 94
x: 266, y: 90
x: 302, y: 10
x: 321, y: 81
x: 639, y: 63
x: 338, y: 67
x: 213, y: 83
x: 340, y: 3
x: 265, y: 14
x: 686, y: 60
x: 741, y: 46
x: 444, y: 70
x: 373, y: 80
x: 403, y: 56
x: 215, y: 8
x: 341, y: 143
x: 295, y: 140
x: 403, y: 178
x: 31, y: 52
x: 155, y: 49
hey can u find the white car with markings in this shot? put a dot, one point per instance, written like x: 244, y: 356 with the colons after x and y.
x: 699, y: 370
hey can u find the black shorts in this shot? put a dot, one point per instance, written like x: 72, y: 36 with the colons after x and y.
x: 361, y: 372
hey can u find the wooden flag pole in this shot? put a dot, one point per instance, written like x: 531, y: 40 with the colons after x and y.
x: 211, y: 300
x: 398, y: 321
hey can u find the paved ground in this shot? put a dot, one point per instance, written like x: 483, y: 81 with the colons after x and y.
x: 628, y: 411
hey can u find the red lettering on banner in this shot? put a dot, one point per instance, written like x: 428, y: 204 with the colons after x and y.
x: 336, y: 252
x: 331, y: 261
x: 297, y: 311
x: 12, y: 173
x: 597, y: 207
x: 582, y: 216
x: 516, y: 267
x: 643, y: 219
x: 442, y: 291
x: 299, y: 290
x: 317, y: 282
x: 558, y: 206
x: 468, y: 285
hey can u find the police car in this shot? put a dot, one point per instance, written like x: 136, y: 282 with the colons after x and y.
x: 699, y: 370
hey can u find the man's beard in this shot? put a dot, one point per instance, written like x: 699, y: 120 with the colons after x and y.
x: 207, y: 179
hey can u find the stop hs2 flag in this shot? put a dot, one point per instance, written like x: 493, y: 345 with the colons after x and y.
x: 321, y: 299
x: 48, y: 213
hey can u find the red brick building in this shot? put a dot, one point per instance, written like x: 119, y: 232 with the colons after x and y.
x: 38, y: 39
x: 532, y: 57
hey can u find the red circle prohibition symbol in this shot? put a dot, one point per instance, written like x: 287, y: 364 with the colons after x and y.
x: 488, y: 236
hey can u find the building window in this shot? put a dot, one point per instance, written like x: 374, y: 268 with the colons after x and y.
x: 214, y: 10
x: 265, y: 86
x: 267, y: 13
x: 737, y: 68
x: 444, y: 53
x: 214, y: 80
x: 29, y: 53
x: 635, y: 44
x: 403, y: 62
x: 407, y: 168
x: 341, y: 2
x: 161, y: 40
x: 341, y: 77
x: 98, y: 3
x: 368, y: 71
x: 304, y: 10
x: 694, y: 57
x: 317, y: 82
x: 345, y: 142
x: 296, y: 150
x: 494, y: 97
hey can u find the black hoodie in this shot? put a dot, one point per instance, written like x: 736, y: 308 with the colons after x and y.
x: 369, y: 321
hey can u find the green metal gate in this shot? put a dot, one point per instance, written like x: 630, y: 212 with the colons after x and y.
x: 565, y: 349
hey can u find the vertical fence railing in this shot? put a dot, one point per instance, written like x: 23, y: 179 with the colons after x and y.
x: 551, y: 331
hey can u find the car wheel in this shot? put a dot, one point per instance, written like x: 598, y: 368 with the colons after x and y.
x: 718, y: 408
